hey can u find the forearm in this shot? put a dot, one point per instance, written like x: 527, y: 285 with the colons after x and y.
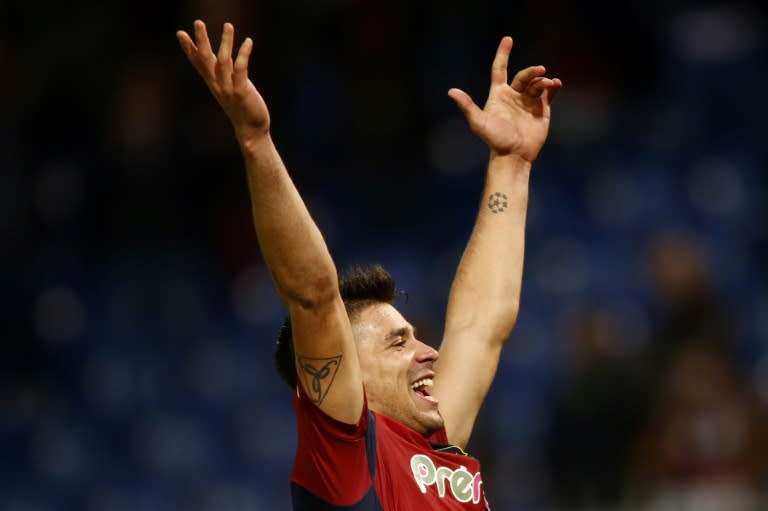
x: 290, y: 242
x: 486, y: 290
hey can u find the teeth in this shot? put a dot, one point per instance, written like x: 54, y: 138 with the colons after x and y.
x: 424, y: 382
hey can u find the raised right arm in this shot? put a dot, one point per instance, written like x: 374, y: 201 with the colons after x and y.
x: 292, y: 245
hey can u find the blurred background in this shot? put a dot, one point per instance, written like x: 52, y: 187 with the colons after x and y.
x: 137, y: 320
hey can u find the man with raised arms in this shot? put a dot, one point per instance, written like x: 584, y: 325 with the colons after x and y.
x: 382, y: 417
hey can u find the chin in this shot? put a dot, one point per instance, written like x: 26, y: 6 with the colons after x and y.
x: 431, y: 422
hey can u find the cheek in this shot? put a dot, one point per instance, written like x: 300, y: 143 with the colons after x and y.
x: 373, y: 371
x: 381, y: 373
x: 370, y: 371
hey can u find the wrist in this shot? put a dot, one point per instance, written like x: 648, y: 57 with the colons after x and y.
x: 254, y: 143
x: 511, y: 163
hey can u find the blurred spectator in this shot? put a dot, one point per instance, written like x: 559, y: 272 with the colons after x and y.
x: 688, y: 310
x: 704, y: 446
x: 703, y: 440
x: 593, y: 415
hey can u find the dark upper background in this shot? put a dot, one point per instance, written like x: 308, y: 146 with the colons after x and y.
x: 137, y: 319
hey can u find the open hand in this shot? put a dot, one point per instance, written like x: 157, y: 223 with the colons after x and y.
x: 515, y: 119
x: 228, y: 80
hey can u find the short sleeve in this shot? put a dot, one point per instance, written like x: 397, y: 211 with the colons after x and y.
x: 331, y: 456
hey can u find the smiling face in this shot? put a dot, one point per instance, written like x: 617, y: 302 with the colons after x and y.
x: 396, y: 368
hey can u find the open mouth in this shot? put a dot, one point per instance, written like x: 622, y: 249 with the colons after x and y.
x: 422, y: 387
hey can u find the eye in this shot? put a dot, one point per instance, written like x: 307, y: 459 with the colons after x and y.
x: 399, y: 343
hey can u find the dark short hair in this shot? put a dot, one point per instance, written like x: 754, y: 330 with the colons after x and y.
x: 359, y: 287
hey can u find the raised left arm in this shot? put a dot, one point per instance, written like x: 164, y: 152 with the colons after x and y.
x: 484, y: 298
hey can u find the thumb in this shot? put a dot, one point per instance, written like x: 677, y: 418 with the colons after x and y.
x: 468, y: 107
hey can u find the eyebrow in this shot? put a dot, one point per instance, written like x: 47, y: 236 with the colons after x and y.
x: 399, y: 332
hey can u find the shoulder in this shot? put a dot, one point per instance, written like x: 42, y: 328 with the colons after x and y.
x: 314, y: 422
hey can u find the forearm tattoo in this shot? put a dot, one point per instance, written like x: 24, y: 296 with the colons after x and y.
x: 497, y: 202
x: 317, y: 375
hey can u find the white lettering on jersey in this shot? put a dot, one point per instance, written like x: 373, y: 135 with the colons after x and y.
x: 464, y: 485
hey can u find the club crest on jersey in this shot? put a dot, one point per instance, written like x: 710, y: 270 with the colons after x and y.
x: 464, y: 485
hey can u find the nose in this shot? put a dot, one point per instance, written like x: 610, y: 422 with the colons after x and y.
x: 426, y: 353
